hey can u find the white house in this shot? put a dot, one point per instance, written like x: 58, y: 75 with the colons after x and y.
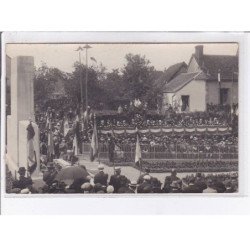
x: 209, y: 79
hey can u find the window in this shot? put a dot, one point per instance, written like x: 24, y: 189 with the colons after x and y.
x: 185, y: 103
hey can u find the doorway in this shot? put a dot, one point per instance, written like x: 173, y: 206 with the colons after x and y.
x: 185, y: 103
x: 224, y: 96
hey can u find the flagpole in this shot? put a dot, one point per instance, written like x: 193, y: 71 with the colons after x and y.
x: 86, y: 78
x: 80, y: 65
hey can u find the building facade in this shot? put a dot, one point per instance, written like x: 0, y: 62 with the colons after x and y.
x: 209, y: 79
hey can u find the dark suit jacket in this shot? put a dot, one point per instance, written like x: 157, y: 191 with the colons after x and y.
x: 192, y: 189
x: 101, y: 178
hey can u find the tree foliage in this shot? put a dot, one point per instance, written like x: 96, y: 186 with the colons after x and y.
x: 105, y: 89
x: 138, y: 76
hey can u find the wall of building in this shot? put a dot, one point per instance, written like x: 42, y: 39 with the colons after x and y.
x: 213, y: 92
x: 196, y: 90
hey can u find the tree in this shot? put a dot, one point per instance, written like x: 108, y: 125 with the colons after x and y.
x: 96, y: 94
x: 113, y: 87
x: 44, y: 80
x: 138, y: 77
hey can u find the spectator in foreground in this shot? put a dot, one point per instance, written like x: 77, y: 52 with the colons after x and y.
x: 101, y: 177
x: 23, y: 182
x: 209, y: 188
x: 191, y: 188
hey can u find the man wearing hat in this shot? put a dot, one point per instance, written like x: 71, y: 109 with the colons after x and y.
x: 169, y: 180
x: 111, y: 147
x: 191, y: 188
x: 146, y: 186
x: 23, y: 182
x: 132, y: 187
x: 117, y: 180
x: 140, y: 179
x: 175, y: 187
x: 200, y: 183
x: 50, y: 174
x: 229, y: 187
x: 101, y: 177
x: 87, y: 188
x: 210, y: 188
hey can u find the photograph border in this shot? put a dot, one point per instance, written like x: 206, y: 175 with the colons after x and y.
x: 131, y: 37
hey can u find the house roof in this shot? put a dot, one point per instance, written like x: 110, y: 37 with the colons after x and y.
x: 180, y: 81
x: 210, y: 64
x: 170, y: 73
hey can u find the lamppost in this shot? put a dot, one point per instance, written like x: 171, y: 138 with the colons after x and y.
x: 86, y: 78
x: 80, y: 49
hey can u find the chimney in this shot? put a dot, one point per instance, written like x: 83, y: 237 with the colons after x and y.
x: 199, y: 53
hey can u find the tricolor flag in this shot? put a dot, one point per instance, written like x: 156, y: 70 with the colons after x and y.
x: 94, y: 144
x: 50, y: 143
x: 32, y: 162
x: 137, y: 152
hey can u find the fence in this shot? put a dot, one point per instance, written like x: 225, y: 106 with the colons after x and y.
x: 126, y: 152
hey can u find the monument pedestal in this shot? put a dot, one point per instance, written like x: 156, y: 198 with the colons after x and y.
x: 22, y: 110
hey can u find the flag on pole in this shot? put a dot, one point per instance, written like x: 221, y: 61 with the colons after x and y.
x: 50, y: 142
x: 32, y: 161
x: 75, y: 146
x: 219, y: 76
x: 137, y: 152
x: 94, y: 143
x: 65, y: 128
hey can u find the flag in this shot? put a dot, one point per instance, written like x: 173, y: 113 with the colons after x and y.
x: 32, y: 162
x: 94, y: 143
x: 219, y: 76
x: 75, y: 146
x: 93, y: 59
x: 50, y: 142
x: 65, y: 128
x: 137, y: 152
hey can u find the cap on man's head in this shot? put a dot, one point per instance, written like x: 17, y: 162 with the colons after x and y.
x: 100, y: 167
x: 146, y: 177
x: 173, y: 170
x: 86, y: 186
x: 133, y: 184
x: 117, y: 168
x: 198, y: 174
x: 110, y: 189
x: 25, y: 191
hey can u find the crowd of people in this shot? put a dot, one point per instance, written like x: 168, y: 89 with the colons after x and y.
x: 189, y: 166
x: 216, y: 115
x: 181, y: 145
x: 100, y: 183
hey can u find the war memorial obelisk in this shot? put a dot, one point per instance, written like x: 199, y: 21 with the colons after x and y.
x: 22, y: 113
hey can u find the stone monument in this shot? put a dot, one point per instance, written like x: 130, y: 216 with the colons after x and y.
x: 22, y: 113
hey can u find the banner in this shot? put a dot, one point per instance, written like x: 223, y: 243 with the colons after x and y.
x: 119, y: 132
x: 168, y: 130
x: 179, y: 130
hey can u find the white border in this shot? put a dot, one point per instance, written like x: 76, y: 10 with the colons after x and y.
x: 156, y: 204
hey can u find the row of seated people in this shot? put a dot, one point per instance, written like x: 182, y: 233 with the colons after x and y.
x: 101, y: 183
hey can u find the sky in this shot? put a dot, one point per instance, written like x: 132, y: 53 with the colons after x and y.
x: 161, y: 56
